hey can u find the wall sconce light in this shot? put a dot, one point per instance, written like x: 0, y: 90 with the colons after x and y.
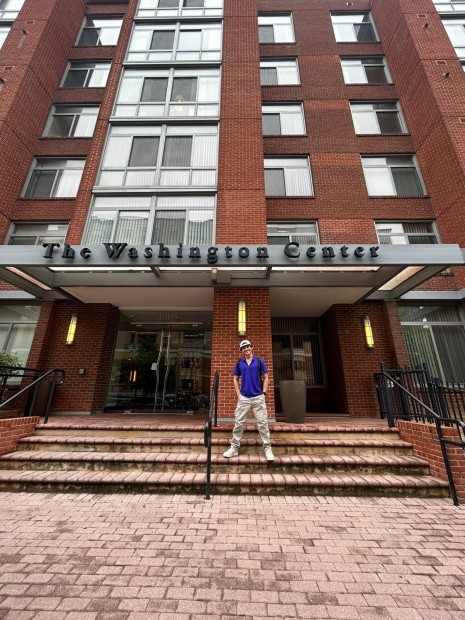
x: 71, y: 329
x: 241, y: 318
x: 368, y: 332
x: 132, y: 376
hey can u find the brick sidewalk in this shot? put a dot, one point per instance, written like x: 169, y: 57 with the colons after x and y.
x: 154, y: 557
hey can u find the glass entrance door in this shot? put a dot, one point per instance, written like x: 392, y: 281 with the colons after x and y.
x: 161, y: 367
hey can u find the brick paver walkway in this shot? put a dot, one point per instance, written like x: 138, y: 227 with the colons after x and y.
x: 155, y: 557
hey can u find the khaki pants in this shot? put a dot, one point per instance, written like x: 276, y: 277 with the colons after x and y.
x: 258, y: 406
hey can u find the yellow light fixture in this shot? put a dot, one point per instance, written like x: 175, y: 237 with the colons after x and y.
x: 241, y: 318
x: 368, y: 332
x: 133, y: 376
x: 71, y: 329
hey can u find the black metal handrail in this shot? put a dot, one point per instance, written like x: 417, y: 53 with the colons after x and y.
x: 207, y: 433
x: 54, y: 383
x: 422, y: 412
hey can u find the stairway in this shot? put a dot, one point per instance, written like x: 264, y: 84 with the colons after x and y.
x: 310, y: 459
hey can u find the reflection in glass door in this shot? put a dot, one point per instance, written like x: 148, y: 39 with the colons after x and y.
x: 160, y: 368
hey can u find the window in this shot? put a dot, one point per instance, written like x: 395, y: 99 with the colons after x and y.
x: 87, y: 75
x: 283, y: 120
x: 17, y: 328
x: 297, y: 350
x: 54, y: 178
x: 184, y: 8
x: 36, y: 234
x: 377, y: 117
x: 99, y: 31
x: 279, y: 72
x: 365, y: 70
x: 435, y: 335
x: 287, y: 177
x: 353, y: 27
x: 147, y: 219
x: 68, y: 121
x: 168, y: 156
x: 455, y: 29
x: 4, y: 30
x: 181, y: 41
x: 404, y: 233
x: 444, y: 6
x: 279, y: 233
x: 169, y: 92
x: 392, y: 175
x: 9, y: 9
x: 275, y: 29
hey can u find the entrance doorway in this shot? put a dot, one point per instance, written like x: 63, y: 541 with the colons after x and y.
x: 161, y: 363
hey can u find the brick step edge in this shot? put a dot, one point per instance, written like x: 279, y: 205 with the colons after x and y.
x: 192, y: 458
x: 177, y: 480
x: 154, y: 441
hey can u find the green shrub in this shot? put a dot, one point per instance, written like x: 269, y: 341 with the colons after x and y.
x: 9, y: 359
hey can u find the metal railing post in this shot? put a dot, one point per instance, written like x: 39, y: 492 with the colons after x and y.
x: 445, y: 457
x: 387, y: 397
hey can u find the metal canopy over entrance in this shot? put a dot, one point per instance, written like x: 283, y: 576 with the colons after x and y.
x: 351, y: 272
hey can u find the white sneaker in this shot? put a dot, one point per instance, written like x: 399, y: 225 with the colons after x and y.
x: 269, y: 454
x: 233, y: 451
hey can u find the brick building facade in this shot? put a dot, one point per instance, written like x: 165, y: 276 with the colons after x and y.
x: 328, y: 134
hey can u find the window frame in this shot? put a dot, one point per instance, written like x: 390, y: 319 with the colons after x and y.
x: 283, y: 110
x: 391, y: 179
x: 269, y: 166
x: 105, y: 18
x: 291, y: 33
x: 280, y: 63
x: 288, y: 236
x: 215, y: 10
x: 353, y: 23
x: 9, y: 15
x: 168, y: 105
x: 40, y: 237
x: 57, y: 179
x: 434, y: 234
x: 383, y: 63
x: 174, y: 53
x: 400, y: 117
x: 153, y: 204
x: 77, y: 65
x: 75, y: 122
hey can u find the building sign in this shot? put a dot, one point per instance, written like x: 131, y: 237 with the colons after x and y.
x: 216, y: 255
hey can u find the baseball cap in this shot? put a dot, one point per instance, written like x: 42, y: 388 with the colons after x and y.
x: 245, y: 343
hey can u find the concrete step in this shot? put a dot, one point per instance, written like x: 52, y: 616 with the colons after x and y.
x: 264, y: 483
x: 195, y: 444
x: 196, y: 462
x: 278, y: 431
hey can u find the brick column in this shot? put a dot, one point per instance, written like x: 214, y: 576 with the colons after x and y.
x: 225, y: 341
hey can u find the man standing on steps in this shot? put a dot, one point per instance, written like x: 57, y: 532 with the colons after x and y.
x: 251, y: 392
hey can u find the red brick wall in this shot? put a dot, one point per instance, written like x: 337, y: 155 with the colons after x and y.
x: 225, y: 341
x: 13, y: 429
x: 426, y: 445
x: 92, y: 350
x: 350, y: 364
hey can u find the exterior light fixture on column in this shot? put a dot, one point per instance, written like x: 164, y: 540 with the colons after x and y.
x: 132, y: 376
x: 241, y: 318
x: 368, y: 332
x: 71, y: 329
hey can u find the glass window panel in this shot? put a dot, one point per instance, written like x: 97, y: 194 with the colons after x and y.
x: 168, y: 4
x: 407, y: 182
x: 154, y: 89
x: 169, y: 227
x: 132, y: 227
x: 389, y: 122
x: 117, y: 151
x: 177, y: 151
x: 184, y: 89
x: 61, y: 126
x: 365, y: 122
x: 68, y: 183
x: 101, y: 226
x: 85, y: 125
x: 376, y: 75
x: 190, y: 40
x: 192, y: 4
x: 41, y: 184
x: 274, y: 182
x: 144, y: 152
x: 265, y: 34
x: 271, y: 124
x: 297, y: 182
x: 162, y: 40
x: 379, y: 182
x: 199, y: 227
x: 292, y: 123
x: 269, y: 76
x: 365, y: 33
x: 450, y: 343
x: 90, y: 37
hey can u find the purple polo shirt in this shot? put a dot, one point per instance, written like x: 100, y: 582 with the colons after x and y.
x: 251, y: 384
